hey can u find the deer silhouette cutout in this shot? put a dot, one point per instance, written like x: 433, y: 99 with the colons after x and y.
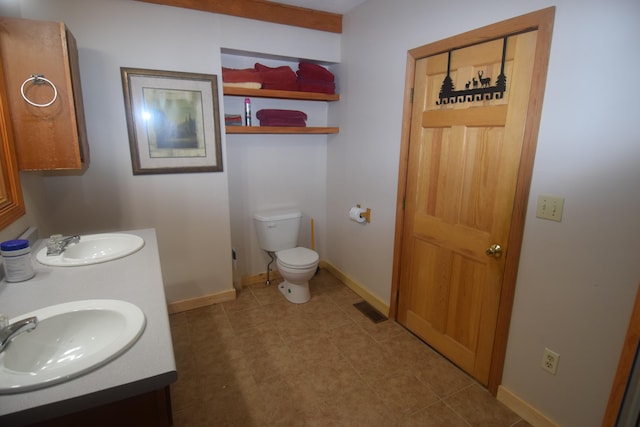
x: 486, y: 81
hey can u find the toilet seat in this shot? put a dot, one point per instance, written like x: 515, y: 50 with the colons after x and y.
x: 297, y: 258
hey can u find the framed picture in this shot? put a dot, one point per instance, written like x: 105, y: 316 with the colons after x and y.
x: 173, y: 121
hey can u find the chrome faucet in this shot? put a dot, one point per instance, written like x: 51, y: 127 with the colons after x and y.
x: 57, y: 244
x: 7, y: 333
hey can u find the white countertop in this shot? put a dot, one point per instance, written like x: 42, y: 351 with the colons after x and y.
x: 148, y: 365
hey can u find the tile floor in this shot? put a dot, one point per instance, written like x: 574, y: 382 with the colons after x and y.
x: 262, y: 361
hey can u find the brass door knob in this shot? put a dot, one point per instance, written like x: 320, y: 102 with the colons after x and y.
x: 494, y: 250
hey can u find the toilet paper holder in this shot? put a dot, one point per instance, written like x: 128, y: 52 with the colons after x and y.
x: 366, y: 214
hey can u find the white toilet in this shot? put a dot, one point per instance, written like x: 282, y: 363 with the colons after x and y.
x: 278, y: 234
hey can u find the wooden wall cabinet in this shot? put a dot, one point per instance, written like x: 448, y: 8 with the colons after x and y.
x: 54, y: 137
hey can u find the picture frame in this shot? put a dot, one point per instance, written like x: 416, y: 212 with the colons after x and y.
x: 173, y: 121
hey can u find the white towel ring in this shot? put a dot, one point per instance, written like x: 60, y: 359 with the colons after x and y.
x: 39, y: 79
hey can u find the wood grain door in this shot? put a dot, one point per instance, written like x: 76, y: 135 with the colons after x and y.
x: 463, y: 164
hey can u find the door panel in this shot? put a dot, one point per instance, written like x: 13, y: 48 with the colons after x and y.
x: 462, y: 171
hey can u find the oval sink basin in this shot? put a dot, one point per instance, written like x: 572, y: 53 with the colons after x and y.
x: 93, y: 249
x: 70, y: 339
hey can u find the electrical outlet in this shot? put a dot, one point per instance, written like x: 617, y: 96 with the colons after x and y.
x: 550, y: 207
x: 550, y: 361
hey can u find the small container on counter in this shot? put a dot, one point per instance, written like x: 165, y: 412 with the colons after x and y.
x: 16, y: 258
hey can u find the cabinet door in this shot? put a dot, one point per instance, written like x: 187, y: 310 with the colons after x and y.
x: 49, y: 137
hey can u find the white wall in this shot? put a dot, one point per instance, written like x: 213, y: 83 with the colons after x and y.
x: 190, y: 212
x: 577, y: 278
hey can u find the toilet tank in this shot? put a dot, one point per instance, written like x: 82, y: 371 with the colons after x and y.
x: 277, y: 229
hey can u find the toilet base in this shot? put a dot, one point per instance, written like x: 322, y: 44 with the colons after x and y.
x: 297, y: 294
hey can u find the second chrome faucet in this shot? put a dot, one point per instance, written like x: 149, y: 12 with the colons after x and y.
x: 57, y: 243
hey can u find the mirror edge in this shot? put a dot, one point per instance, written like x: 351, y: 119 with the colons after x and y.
x: 12, y: 206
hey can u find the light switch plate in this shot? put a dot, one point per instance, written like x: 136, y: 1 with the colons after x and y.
x: 550, y: 207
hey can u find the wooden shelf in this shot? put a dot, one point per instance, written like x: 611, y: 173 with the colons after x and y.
x: 280, y: 130
x: 280, y: 94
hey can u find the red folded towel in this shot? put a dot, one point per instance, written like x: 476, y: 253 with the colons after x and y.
x: 271, y: 113
x: 277, y: 78
x: 314, y: 71
x: 233, y: 120
x: 276, y: 117
x: 231, y: 75
x: 321, y: 86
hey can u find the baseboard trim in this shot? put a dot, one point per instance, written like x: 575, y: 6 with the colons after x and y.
x: 261, y: 278
x: 202, y: 301
x: 356, y: 287
x: 524, y: 409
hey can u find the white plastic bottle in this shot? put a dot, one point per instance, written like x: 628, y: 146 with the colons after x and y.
x: 16, y: 257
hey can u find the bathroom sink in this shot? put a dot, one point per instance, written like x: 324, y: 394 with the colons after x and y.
x: 93, y: 249
x: 70, y: 340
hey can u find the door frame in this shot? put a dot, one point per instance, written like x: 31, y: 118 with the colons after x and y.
x: 626, y: 363
x: 542, y: 21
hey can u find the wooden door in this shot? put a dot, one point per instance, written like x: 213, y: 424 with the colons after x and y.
x: 463, y: 164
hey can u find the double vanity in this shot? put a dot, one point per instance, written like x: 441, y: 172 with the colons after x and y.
x: 115, y: 311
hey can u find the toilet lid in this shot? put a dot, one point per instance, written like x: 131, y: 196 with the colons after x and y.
x: 297, y: 257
